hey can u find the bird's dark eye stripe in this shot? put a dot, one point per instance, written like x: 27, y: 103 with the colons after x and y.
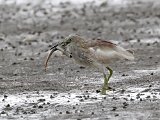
x: 66, y: 43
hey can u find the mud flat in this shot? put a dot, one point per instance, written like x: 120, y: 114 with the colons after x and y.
x: 68, y: 91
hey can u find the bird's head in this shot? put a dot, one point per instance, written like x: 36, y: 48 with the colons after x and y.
x: 61, y: 46
x: 71, y: 38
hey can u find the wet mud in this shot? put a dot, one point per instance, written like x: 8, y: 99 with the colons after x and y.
x: 67, y: 91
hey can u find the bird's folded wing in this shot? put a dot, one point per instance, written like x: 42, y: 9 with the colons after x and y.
x: 108, y: 50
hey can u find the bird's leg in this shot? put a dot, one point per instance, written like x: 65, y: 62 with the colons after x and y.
x: 110, y: 72
x: 106, y: 79
x: 105, y: 85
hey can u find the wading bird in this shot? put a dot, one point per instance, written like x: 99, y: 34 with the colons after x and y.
x: 93, y: 53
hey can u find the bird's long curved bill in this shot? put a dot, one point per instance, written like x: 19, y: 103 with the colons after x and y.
x: 54, y: 48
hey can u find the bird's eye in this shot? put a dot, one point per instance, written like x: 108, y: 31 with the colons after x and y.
x: 70, y: 56
x: 68, y: 41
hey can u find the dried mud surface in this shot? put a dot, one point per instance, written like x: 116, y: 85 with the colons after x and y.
x: 68, y: 91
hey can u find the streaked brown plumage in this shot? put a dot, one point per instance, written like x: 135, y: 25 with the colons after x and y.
x: 93, y: 53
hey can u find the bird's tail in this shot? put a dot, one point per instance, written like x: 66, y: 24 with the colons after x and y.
x: 127, y: 54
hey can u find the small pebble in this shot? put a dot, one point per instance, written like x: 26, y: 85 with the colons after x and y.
x: 67, y: 112
x: 81, y: 100
x: 81, y: 111
x: 116, y: 115
x: 32, y: 59
x: 34, y: 106
x: 25, y: 58
x: 148, y: 44
x: 41, y: 100
x: 138, y: 40
x: 8, y: 105
x: 125, y: 104
x: 1, y: 39
x: 40, y: 106
x: 51, y: 96
x: 122, y: 91
x: 148, y: 97
x: 151, y: 74
x: 98, y: 91
x: 114, y: 109
x: 82, y: 67
x: 5, y: 96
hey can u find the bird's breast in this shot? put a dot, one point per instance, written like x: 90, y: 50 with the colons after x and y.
x: 80, y: 55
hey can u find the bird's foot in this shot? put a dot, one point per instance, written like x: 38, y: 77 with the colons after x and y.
x: 106, y: 89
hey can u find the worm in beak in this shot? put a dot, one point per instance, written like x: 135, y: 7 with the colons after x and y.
x: 59, y: 46
x: 53, y: 49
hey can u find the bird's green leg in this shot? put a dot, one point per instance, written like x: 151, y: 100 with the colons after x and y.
x: 110, y: 72
x: 106, y: 79
x: 105, y: 85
